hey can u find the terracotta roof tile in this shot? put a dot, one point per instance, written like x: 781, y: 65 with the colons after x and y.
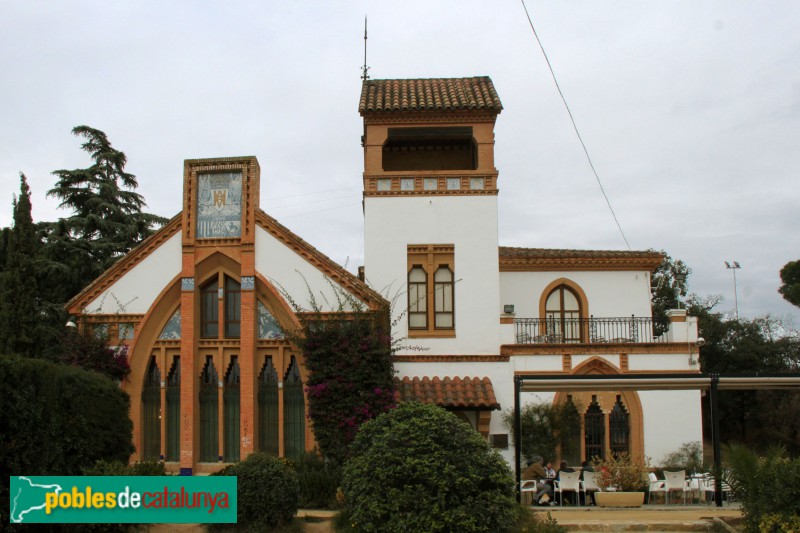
x: 433, y: 94
x: 515, y: 258
x: 458, y: 393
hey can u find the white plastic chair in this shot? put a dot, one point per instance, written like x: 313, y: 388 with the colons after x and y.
x: 527, y: 486
x: 589, y: 484
x: 569, y: 481
x: 656, y: 485
x: 676, y: 481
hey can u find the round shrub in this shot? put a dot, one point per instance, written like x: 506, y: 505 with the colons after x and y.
x: 267, y: 491
x: 419, y: 468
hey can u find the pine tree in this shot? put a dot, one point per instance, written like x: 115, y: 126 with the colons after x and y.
x: 19, y: 309
x: 107, y: 214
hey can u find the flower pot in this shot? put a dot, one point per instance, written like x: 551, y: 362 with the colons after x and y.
x: 619, y: 499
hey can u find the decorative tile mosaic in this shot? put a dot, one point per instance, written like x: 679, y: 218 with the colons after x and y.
x: 219, y: 205
x: 431, y: 184
x: 453, y: 184
x: 187, y: 284
x: 268, y: 327
x: 125, y: 330
x: 172, y: 329
x: 248, y: 283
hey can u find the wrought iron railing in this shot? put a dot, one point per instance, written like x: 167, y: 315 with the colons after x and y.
x: 608, y: 330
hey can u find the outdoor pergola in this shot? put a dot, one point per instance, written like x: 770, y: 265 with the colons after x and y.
x: 649, y: 381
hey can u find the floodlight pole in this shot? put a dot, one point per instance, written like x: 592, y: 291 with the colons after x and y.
x: 734, y: 267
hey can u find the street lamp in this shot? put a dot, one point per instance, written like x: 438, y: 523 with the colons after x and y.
x: 735, y: 266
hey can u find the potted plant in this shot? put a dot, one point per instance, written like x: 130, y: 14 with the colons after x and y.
x: 622, y: 480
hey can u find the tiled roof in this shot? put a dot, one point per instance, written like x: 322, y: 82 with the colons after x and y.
x: 459, y: 393
x: 515, y: 258
x: 433, y: 94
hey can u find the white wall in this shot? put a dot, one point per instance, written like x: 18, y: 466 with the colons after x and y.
x: 671, y: 418
x: 467, y: 222
x: 290, y: 272
x: 138, y: 288
x: 610, y: 294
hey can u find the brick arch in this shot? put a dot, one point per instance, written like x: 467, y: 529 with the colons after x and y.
x: 606, y: 399
x: 567, y: 283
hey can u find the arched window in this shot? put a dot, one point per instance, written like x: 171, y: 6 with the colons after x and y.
x: 268, y: 409
x: 443, y: 298
x: 151, y: 413
x: 209, y: 413
x: 294, y: 416
x: 619, y: 428
x: 417, y: 298
x: 595, y: 430
x: 230, y: 405
x: 174, y: 411
x: 209, y: 310
x: 563, y: 314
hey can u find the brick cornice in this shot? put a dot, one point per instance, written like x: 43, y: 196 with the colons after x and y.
x: 428, y: 358
x: 131, y: 259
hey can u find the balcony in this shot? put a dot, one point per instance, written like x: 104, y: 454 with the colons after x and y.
x: 609, y: 330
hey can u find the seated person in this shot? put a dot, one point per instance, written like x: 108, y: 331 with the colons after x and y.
x: 551, y: 474
x: 537, y: 473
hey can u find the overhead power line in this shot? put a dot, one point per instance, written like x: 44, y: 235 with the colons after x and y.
x: 574, y: 126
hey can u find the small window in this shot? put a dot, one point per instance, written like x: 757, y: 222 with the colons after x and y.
x: 417, y: 298
x: 233, y: 308
x: 443, y: 297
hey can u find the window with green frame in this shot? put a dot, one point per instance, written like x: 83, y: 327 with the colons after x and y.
x: 268, y: 408
x: 174, y: 411
x: 209, y: 413
x: 151, y: 413
x: 294, y: 416
x: 230, y: 417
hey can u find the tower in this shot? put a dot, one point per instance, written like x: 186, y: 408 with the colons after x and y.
x: 430, y: 208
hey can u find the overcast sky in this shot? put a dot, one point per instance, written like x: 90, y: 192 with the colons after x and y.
x: 689, y: 109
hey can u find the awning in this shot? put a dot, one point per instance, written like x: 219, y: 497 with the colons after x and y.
x: 447, y: 392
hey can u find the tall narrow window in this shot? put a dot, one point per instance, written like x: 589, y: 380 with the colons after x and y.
x: 595, y: 430
x: 209, y: 413
x: 209, y: 310
x: 233, y: 308
x: 174, y: 411
x: 268, y: 409
x: 563, y: 313
x: 151, y: 413
x: 230, y: 404
x: 417, y: 298
x: 619, y: 428
x: 294, y: 433
x: 443, y: 298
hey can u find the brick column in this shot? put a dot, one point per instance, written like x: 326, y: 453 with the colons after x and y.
x: 247, y: 354
x: 188, y: 376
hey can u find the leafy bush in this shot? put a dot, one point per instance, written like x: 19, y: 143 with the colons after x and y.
x: 547, y: 427
x: 318, y: 480
x: 118, y: 468
x: 419, y: 468
x: 688, y: 457
x: 531, y: 522
x: 621, y: 472
x: 267, y: 491
x: 768, y: 487
x: 56, y: 420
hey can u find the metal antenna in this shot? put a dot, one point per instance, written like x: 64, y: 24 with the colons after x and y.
x: 365, y: 68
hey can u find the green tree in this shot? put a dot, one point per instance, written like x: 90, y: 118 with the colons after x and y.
x: 667, y: 285
x: 19, y: 313
x: 107, y: 214
x: 790, y: 276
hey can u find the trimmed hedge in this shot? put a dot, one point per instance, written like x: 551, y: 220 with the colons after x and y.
x: 419, y: 468
x: 58, y: 420
x: 267, y: 491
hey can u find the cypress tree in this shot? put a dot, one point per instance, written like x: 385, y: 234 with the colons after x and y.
x: 19, y: 314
